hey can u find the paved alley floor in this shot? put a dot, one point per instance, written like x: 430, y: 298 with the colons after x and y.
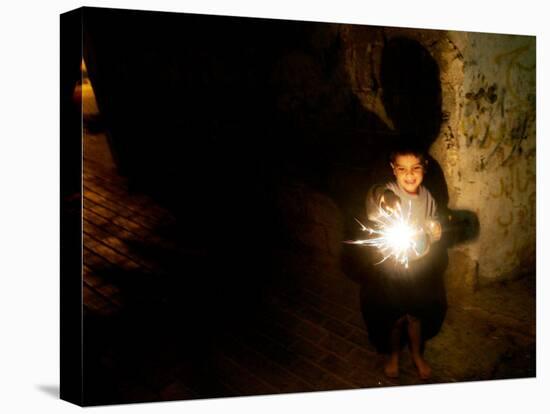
x: 307, y: 334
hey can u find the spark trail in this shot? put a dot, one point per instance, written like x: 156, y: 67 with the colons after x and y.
x: 394, y: 235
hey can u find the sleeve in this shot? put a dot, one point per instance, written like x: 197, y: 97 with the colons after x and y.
x: 373, y: 201
x: 433, y: 220
x: 432, y: 208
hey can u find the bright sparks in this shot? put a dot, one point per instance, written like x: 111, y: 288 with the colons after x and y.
x: 394, y: 236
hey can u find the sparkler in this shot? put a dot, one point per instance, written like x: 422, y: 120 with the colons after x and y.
x: 395, y: 236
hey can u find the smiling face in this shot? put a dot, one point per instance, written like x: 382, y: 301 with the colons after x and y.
x: 409, y: 172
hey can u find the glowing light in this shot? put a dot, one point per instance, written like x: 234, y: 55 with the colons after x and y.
x: 395, y: 236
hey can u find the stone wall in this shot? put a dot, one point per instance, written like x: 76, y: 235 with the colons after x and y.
x: 487, y: 150
x: 486, y: 143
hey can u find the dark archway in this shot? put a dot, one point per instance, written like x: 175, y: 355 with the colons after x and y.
x: 412, y: 89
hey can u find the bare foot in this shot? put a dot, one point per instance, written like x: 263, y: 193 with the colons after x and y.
x: 391, y: 367
x: 424, y: 370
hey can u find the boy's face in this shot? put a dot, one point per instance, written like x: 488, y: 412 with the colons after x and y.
x: 409, y: 171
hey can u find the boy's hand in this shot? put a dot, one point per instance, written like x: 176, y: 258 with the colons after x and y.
x: 390, y: 202
x: 434, y: 228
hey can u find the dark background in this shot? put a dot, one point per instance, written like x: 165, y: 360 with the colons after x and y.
x: 212, y: 115
x: 247, y: 131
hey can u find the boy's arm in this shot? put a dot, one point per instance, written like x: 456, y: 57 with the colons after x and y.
x: 433, y: 223
x: 373, y: 201
x: 379, y: 196
x: 434, y: 228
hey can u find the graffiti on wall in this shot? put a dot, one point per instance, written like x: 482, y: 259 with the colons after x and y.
x: 497, y: 149
x: 499, y: 116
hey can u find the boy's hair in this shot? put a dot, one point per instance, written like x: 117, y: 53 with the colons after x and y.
x: 409, y: 148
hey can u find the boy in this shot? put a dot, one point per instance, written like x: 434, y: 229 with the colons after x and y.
x: 405, y: 302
